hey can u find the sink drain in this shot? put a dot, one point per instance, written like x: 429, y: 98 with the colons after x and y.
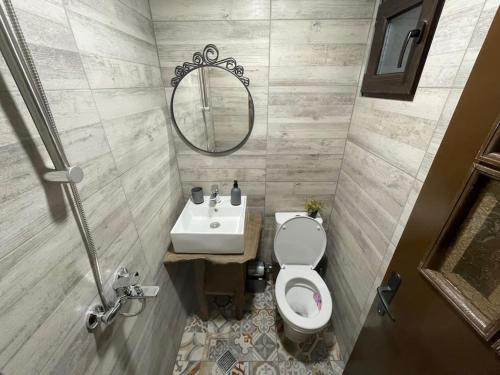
x: 214, y: 225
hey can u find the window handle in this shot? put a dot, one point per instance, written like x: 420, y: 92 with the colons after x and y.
x: 415, y: 33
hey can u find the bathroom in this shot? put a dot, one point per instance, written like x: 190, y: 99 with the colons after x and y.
x: 317, y: 129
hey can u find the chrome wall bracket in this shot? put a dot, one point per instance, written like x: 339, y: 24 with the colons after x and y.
x: 70, y: 175
x: 126, y: 287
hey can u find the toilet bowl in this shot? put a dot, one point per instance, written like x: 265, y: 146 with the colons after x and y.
x: 302, y: 297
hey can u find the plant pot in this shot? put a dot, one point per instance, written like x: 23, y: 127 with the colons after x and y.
x: 312, y: 214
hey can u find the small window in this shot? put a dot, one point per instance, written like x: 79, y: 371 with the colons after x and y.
x: 403, y: 35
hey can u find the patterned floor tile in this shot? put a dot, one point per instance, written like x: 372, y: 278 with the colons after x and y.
x: 194, y: 324
x: 318, y: 347
x: 208, y: 368
x: 256, y: 341
x: 261, y: 321
x: 250, y: 346
x: 186, y: 368
x: 259, y: 301
x: 264, y: 368
x: 318, y: 368
x: 192, y: 346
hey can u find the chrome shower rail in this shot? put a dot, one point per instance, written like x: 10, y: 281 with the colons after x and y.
x: 20, y: 62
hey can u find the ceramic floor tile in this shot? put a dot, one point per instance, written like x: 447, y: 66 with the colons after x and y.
x: 318, y: 368
x: 256, y: 341
x: 261, y: 321
x: 264, y: 368
x: 259, y: 301
x: 186, y: 368
x: 208, y: 368
x: 192, y: 346
x: 194, y: 324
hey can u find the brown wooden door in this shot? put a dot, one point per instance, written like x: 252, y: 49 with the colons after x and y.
x: 442, y: 326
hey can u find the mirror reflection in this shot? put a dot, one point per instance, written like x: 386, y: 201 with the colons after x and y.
x: 212, y: 110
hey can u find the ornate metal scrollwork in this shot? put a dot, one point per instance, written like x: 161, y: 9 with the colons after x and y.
x: 209, y: 57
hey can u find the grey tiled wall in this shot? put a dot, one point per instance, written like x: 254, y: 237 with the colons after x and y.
x: 98, y: 62
x: 389, y: 150
x: 303, y: 59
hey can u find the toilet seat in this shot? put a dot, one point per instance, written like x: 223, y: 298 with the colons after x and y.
x: 305, y: 278
x: 300, y: 240
x: 299, y: 245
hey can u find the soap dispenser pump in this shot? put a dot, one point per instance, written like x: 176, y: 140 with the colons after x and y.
x: 235, y: 194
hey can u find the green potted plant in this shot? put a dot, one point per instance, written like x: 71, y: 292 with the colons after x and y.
x: 312, y: 207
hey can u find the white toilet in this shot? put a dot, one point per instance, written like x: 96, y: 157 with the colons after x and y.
x: 303, y: 299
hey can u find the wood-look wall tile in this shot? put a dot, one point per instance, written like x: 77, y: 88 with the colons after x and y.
x: 155, y: 236
x: 375, y: 223
x: 318, y: 32
x: 87, y: 147
x: 323, y: 9
x: 387, y: 185
x: 356, y: 268
x: 133, y: 138
x: 22, y: 313
x: 95, y: 38
x: 59, y: 69
x: 303, y: 168
x: 291, y: 196
x: 116, y: 15
x: 254, y: 190
x: 72, y: 108
x: 119, y: 53
x: 230, y: 161
x: 448, y: 46
x: 310, y: 107
x: 27, y: 208
x: 317, y: 52
x: 123, y: 102
x: 194, y: 10
x: 52, y: 45
x: 140, y: 6
x: 106, y: 73
x: 331, y: 146
x: 158, y: 177
x: 405, y: 214
x: 477, y: 39
x: 51, y: 10
x: 246, y: 41
x: 241, y: 174
x: 46, y: 32
x: 398, y: 133
x: 439, y: 132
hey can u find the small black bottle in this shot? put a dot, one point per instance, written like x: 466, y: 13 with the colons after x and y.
x: 235, y: 194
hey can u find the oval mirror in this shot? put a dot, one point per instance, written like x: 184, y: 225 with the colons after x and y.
x: 211, y: 107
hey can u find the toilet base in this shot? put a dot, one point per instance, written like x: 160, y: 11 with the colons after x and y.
x: 293, y: 335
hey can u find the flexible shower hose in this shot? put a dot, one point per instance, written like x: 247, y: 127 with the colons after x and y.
x: 80, y: 215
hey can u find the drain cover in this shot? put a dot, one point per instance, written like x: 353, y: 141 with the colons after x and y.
x: 226, y: 361
x: 214, y: 225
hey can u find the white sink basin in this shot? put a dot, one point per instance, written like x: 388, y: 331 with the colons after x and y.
x: 202, y: 229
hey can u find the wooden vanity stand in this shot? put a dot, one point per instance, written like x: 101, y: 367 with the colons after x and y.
x: 222, y: 274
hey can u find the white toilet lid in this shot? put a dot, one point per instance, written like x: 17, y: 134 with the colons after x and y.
x: 300, y: 240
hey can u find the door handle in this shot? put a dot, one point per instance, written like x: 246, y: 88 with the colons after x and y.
x: 415, y: 33
x: 386, y: 293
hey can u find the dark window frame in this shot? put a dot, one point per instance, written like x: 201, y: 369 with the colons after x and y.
x: 402, y: 85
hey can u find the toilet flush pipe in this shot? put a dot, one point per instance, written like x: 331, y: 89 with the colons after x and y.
x: 20, y: 62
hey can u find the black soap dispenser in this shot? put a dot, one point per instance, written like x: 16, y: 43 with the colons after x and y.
x: 235, y: 194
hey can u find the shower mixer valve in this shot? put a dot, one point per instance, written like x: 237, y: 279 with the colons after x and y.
x: 126, y: 287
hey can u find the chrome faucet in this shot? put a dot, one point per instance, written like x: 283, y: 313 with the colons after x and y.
x: 214, y: 195
x: 126, y: 287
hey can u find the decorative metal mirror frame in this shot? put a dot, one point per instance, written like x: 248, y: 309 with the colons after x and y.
x: 210, y: 58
